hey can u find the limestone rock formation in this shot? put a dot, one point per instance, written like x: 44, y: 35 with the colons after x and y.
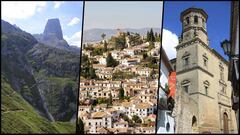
x: 53, y: 28
x: 52, y: 35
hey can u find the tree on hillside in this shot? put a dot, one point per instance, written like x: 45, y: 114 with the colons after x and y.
x: 119, y: 42
x: 148, y: 36
x: 121, y: 93
x: 103, y: 36
x: 111, y: 62
x: 145, y: 55
x: 136, y: 119
x: 80, y: 127
x: 110, y: 99
x: 156, y: 35
x: 87, y: 71
x: 151, y: 34
x: 105, y: 46
x: 158, y: 38
x: 135, y: 39
x: 151, y: 45
x: 92, y: 73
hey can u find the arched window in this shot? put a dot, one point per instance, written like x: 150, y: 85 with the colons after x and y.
x: 186, y: 57
x: 194, y: 121
x: 194, y: 124
x: 205, y: 60
x: 225, y: 123
x: 187, y: 20
x: 206, y: 86
x: 195, y: 19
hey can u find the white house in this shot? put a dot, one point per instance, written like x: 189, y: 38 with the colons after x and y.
x: 102, y: 61
x: 99, y: 120
x: 120, y: 124
x: 143, y: 109
x: 143, y: 71
x: 129, y: 51
x: 130, y: 61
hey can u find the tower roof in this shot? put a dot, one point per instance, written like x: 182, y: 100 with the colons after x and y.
x: 183, y: 13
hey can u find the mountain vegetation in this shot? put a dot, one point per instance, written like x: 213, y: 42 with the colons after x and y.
x: 40, y: 84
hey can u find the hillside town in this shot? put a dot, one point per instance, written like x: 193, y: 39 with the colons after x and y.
x: 119, y: 83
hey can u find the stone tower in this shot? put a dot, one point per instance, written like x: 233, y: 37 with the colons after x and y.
x: 203, y: 102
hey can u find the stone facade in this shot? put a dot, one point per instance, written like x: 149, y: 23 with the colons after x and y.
x: 203, y: 98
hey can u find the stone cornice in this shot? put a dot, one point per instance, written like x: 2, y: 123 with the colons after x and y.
x: 193, y: 68
x: 200, y: 94
x: 192, y: 27
x: 224, y: 104
x: 189, y: 10
x: 200, y: 42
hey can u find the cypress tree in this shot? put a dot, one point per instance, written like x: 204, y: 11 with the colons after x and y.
x: 148, y: 36
x: 152, y: 38
x: 111, y: 62
x: 121, y: 93
x: 80, y: 127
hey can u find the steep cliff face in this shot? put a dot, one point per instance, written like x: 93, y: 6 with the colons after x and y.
x: 15, y: 67
x: 44, y: 76
x: 57, y: 72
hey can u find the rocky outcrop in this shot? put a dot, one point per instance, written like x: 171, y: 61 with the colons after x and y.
x: 53, y: 29
x: 52, y: 35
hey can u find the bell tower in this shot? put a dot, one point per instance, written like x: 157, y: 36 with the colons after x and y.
x: 194, y: 25
x: 203, y: 93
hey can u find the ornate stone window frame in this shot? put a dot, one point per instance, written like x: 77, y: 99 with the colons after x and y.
x: 185, y: 56
x: 185, y: 83
x: 205, y: 59
x: 223, y: 87
x: 206, y: 85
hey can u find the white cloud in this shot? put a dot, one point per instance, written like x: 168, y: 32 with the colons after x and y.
x: 20, y: 10
x: 74, y: 21
x: 57, y: 4
x: 75, y: 39
x: 169, y: 41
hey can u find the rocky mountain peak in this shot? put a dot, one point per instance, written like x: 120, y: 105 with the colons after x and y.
x: 53, y: 28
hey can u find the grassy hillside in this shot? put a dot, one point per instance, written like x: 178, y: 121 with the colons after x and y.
x: 17, y: 116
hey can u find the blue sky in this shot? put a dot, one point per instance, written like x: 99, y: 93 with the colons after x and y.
x: 122, y: 15
x: 32, y: 17
x: 218, y: 24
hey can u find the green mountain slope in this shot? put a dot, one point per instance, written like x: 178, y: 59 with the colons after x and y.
x: 18, y: 116
x: 39, y: 84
